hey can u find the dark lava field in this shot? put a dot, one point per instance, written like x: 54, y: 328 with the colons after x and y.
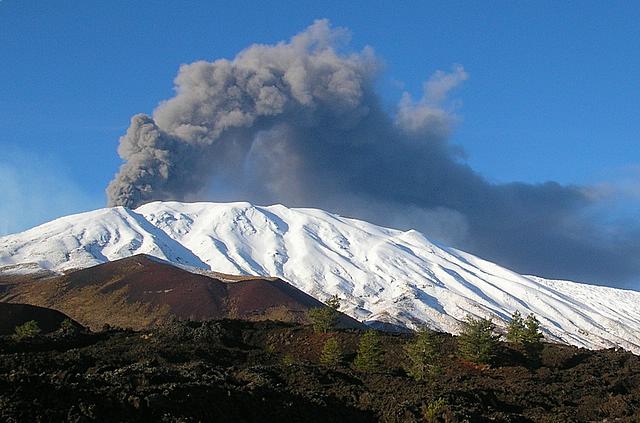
x: 239, y: 371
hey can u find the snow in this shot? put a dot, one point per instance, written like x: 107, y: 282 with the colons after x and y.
x: 381, y: 274
x: 24, y: 269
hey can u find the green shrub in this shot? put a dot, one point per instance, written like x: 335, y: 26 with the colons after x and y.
x: 68, y: 328
x: 288, y: 360
x: 422, y: 355
x: 208, y: 332
x: 437, y: 411
x: 28, y: 330
x: 331, y: 352
x: 478, y: 341
x: 324, y: 319
x: 370, y: 354
x: 175, y: 330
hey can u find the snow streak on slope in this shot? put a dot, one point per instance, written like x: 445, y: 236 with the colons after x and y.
x: 381, y: 274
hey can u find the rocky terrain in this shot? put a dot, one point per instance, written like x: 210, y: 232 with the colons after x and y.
x: 230, y: 370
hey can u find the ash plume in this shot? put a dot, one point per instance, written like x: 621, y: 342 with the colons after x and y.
x: 300, y: 123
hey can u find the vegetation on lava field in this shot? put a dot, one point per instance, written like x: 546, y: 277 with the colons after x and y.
x: 231, y: 370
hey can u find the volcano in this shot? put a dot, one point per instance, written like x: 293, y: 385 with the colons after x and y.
x: 382, y: 275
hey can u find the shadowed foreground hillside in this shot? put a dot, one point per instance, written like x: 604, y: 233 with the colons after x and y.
x: 12, y: 315
x: 240, y: 371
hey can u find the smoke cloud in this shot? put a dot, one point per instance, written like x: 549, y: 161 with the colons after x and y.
x: 300, y: 123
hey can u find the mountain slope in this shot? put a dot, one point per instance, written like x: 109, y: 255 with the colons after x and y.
x: 382, y: 274
x: 141, y: 291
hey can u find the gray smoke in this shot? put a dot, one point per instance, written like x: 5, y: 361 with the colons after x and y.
x: 300, y: 123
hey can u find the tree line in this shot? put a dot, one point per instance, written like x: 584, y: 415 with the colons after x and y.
x: 478, y: 342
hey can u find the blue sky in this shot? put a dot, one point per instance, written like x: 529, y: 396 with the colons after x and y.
x: 553, y: 90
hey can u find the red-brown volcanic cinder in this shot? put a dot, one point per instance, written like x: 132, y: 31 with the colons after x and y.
x: 141, y: 291
x: 149, y: 281
x: 12, y: 315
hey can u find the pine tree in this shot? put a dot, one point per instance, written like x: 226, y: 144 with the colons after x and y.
x: 422, y: 355
x: 333, y: 302
x: 516, y: 328
x: 324, y: 319
x: 532, y: 336
x: 478, y: 341
x: 525, y: 332
x: 331, y: 352
x: 370, y: 354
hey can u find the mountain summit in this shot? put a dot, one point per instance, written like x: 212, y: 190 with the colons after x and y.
x: 382, y: 275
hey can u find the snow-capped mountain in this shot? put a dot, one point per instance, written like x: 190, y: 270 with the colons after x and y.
x: 382, y: 275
